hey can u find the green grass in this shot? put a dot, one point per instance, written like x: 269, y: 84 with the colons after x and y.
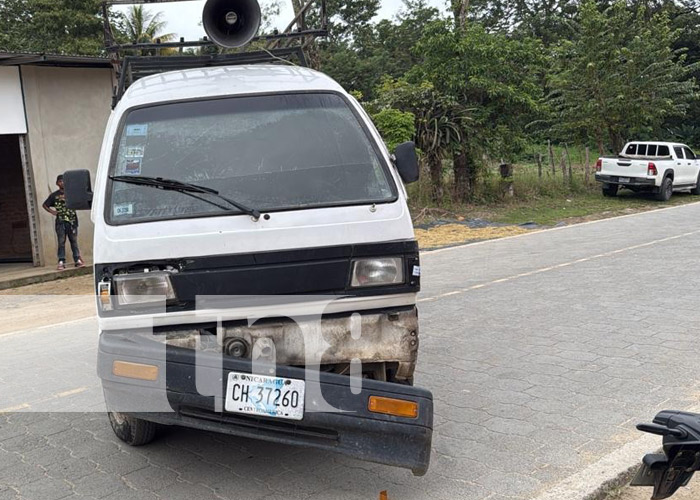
x: 550, y: 211
x: 545, y: 201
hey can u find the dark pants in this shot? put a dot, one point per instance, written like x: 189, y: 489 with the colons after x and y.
x: 63, y: 230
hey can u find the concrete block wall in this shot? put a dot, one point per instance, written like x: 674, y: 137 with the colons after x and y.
x: 67, y: 111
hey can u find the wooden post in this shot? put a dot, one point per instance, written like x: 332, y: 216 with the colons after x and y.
x: 551, y: 157
x: 568, y: 157
x: 506, y: 170
x: 588, y: 166
x: 539, y: 165
x: 562, y: 165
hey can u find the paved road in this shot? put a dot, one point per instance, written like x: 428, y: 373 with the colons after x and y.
x: 542, y: 351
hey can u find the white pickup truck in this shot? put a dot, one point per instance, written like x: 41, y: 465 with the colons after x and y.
x: 658, y: 167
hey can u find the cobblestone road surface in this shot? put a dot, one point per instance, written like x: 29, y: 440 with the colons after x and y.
x: 542, y: 352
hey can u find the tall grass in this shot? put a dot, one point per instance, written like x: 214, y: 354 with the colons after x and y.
x: 527, y: 184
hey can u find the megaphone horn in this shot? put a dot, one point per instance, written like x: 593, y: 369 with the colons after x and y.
x: 231, y: 23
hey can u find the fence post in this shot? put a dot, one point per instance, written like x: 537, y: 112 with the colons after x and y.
x: 539, y: 165
x: 562, y: 165
x: 588, y: 166
x: 551, y: 157
x: 568, y: 157
x: 506, y: 170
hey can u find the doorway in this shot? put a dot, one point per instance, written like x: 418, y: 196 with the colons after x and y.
x: 15, y: 235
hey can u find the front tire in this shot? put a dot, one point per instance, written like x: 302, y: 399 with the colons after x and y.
x: 133, y: 431
x: 610, y: 190
x: 666, y: 190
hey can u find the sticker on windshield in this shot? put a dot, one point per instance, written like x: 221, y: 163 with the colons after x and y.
x: 134, y: 151
x: 137, y: 130
x: 133, y: 166
x: 123, y: 209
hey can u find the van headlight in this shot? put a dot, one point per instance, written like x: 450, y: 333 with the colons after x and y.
x: 143, y: 288
x: 377, y: 272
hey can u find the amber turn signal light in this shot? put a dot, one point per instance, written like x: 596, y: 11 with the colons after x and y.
x: 396, y: 407
x: 135, y: 370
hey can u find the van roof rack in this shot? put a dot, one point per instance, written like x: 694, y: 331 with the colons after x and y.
x: 132, y: 61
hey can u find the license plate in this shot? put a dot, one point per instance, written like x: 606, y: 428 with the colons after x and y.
x: 624, y: 179
x: 265, y: 396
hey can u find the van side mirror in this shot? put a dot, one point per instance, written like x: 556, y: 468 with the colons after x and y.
x: 407, y: 162
x: 78, y: 189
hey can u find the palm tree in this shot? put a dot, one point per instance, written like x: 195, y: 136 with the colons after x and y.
x: 141, y: 26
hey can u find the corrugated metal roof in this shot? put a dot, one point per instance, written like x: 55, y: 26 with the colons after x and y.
x: 28, y: 58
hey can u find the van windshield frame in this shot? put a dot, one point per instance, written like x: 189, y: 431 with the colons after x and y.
x: 371, y: 164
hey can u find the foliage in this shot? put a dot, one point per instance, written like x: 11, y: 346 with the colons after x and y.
x: 619, y: 78
x: 493, y: 75
x: 547, y: 20
x: 395, y: 126
x: 142, y: 26
x: 56, y: 26
x: 474, y: 89
x: 439, y: 119
x: 360, y: 61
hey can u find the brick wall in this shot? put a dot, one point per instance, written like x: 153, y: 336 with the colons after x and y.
x: 15, y: 242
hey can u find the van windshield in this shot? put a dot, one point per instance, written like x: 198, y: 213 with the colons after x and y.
x: 272, y: 152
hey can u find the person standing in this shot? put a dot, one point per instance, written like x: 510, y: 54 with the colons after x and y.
x: 66, y: 225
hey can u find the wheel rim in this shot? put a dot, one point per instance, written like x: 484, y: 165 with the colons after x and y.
x: 118, y: 417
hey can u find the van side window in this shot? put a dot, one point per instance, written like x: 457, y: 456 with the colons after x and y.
x: 663, y: 151
x: 631, y: 149
x: 641, y: 149
x: 679, y: 152
x: 689, y: 155
x: 651, y: 150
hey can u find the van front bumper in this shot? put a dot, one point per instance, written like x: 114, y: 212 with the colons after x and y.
x: 353, y: 430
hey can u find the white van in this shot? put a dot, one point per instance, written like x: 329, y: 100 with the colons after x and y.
x: 228, y: 201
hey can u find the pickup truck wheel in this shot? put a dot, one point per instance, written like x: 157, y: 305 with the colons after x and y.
x: 696, y: 189
x: 666, y: 190
x: 133, y: 431
x: 610, y: 190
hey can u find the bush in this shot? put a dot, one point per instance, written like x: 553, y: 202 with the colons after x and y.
x: 395, y: 126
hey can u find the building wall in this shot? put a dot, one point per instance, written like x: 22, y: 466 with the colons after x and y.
x: 67, y: 110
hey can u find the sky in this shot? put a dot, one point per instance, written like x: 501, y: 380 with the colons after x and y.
x: 184, y: 17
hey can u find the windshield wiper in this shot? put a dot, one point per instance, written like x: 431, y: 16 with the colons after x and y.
x: 186, y: 188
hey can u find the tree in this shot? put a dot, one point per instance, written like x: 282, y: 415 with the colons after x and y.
x: 547, y: 20
x: 141, y: 26
x: 439, y: 121
x: 619, y: 78
x: 685, y: 18
x: 493, y: 75
x: 345, y: 21
x: 379, y: 50
x: 54, y: 26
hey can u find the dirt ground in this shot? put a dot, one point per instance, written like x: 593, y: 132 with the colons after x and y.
x: 453, y: 234
x: 28, y: 307
x: 643, y: 493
